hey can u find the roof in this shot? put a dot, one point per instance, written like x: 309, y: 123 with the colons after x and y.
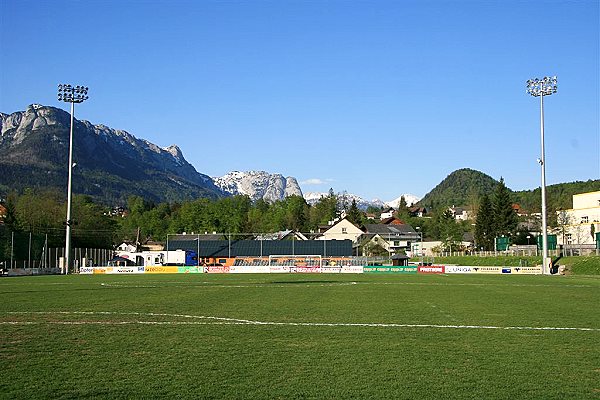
x: 392, y: 220
x: 205, y: 236
x: 257, y: 248
x: 396, y: 230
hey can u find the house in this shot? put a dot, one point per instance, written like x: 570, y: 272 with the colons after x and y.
x: 394, y: 238
x: 151, y: 245
x: 578, y: 225
x: 341, y: 230
x: 282, y: 235
x: 460, y: 213
x: 432, y: 248
x: 387, y: 213
x: 127, y: 247
x: 417, y: 211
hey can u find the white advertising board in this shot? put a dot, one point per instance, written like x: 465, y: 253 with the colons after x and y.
x: 246, y: 269
x: 278, y: 269
x: 453, y: 269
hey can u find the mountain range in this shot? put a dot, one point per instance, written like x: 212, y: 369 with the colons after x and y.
x: 112, y: 164
x: 361, y: 203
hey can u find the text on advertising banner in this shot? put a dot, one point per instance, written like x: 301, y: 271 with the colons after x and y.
x: 431, y: 269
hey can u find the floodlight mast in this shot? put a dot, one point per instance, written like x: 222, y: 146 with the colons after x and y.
x: 540, y: 88
x: 70, y: 94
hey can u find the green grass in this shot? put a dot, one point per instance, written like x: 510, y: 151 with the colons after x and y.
x: 142, y: 337
x: 581, y: 265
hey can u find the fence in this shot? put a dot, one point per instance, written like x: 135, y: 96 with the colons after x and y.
x: 528, y: 251
x: 50, y: 258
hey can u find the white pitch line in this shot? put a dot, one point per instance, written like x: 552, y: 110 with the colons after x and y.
x: 235, y: 321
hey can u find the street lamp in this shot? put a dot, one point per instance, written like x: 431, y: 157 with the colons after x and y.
x: 70, y: 94
x: 540, y: 88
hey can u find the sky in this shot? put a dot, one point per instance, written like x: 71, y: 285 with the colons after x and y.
x: 376, y: 98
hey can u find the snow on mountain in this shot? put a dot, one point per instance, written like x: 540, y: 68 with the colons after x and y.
x: 409, y: 198
x: 258, y: 185
x: 363, y: 204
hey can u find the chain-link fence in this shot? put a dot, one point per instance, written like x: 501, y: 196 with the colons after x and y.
x: 28, y: 250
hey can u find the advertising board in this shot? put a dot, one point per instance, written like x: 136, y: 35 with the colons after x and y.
x: 278, y: 269
x: 389, y: 269
x: 486, y: 270
x: 189, y: 270
x: 352, y: 269
x: 125, y: 270
x: 247, y: 269
x: 160, y: 269
x: 86, y: 270
x: 305, y: 270
x: 526, y: 270
x: 218, y: 269
x: 431, y: 269
x: 454, y: 269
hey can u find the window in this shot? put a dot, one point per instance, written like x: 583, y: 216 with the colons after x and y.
x: 585, y: 219
x: 344, y: 230
x: 569, y: 238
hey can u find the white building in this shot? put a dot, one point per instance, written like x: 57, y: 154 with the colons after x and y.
x: 575, y: 224
x: 342, y: 230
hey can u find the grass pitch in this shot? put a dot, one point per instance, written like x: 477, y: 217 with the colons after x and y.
x: 300, y: 336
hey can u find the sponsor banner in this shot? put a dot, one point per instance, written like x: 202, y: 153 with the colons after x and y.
x: 86, y: 270
x: 390, y: 269
x: 160, y: 269
x: 100, y: 270
x: 306, y: 270
x: 189, y: 270
x: 124, y: 270
x: 331, y: 270
x: 431, y: 269
x: 492, y: 270
x: 352, y: 269
x: 486, y: 270
x: 454, y: 269
x: 527, y: 270
x: 246, y: 269
x: 220, y: 269
x: 278, y: 269
x: 506, y: 270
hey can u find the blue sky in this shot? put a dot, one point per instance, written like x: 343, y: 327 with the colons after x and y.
x: 377, y: 98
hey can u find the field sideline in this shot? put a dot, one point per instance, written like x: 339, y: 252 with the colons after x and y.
x: 300, y: 336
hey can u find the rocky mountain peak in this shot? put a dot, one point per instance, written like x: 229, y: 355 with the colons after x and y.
x: 112, y: 163
x: 259, y: 185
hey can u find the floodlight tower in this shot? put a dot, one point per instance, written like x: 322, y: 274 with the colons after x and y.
x: 540, y: 88
x: 70, y: 94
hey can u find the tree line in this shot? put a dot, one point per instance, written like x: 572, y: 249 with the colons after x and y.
x: 41, y: 213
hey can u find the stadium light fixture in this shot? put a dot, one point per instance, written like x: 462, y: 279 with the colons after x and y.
x: 540, y: 88
x: 70, y: 94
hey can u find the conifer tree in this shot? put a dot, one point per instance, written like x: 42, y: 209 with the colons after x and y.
x: 505, y: 217
x: 484, y: 224
x: 354, y: 214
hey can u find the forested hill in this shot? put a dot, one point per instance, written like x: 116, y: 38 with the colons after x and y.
x: 465, y: 186
x: 559, y: 196
x: 462, y: 187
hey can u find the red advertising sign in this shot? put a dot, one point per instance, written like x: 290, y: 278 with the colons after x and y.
x: 431, y: 269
